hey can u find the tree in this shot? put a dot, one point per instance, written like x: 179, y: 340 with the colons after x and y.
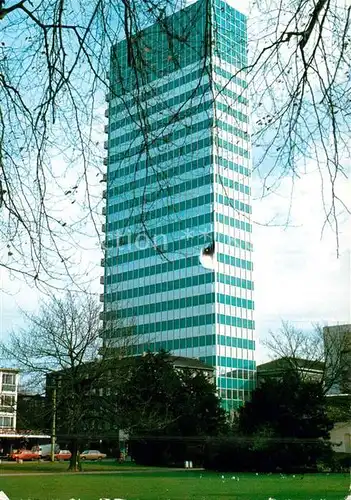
x: 33, y: 413
x: 93, y: 388
x: 291, y: 407
x: 150, y: 384
x: 294, y: 344
x: 185, y: 401
x: 289, y: 422
x: 300, y: 88
x: 60, y: 352
x: 298, y: 79
x: 202, y: 413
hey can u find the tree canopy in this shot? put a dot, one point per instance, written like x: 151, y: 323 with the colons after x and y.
x: 291, y: 408
x: 93, y: 388
x: 59, y: 354
x: 317, y: 348
x: 53, y: 79
x: 185, y: 398
x: 288, y: 420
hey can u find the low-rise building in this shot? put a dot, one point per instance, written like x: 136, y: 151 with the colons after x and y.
x: 339, y: 410
x: 92, y: 409
x: 12, y: 432
x: 340, y: 437
x: 306, y: 368
x: 9, y: 378
x: 32, y: 412
x: 194, y: 365
x: 337, y: 346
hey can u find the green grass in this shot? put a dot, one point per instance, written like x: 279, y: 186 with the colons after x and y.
x: 57, y: 467
x: 187, y: 485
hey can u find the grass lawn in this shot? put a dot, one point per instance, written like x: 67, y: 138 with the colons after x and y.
x: 57, y: 467
x: 187, y: 485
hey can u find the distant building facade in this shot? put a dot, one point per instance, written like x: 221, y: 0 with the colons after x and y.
x: 181, y: 363
x: 32, y: 412
x: 340, y: 437
x: 337, y: 344
x: 306, y: 368
x: 8, y: 398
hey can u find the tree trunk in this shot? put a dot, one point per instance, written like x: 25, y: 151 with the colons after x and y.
x: 75, y: 463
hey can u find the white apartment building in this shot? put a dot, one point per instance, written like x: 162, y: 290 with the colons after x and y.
x: 9, y: 379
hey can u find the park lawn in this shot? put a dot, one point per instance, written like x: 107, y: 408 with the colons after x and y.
x: 186, y: 485
x: 57, y: 467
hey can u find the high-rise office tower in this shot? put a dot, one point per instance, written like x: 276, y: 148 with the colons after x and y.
x: 178, y: 259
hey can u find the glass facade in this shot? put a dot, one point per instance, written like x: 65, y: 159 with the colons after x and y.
x: 178, y: 178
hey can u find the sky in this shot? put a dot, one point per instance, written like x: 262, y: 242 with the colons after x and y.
x: 298, y: 276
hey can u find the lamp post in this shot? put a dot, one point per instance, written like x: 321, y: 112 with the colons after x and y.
x: 53, y: 426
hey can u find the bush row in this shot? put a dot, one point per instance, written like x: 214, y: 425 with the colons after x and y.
x: 240, y: 456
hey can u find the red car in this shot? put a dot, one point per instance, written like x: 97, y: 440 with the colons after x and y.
x: 24, y: 455
x: 63, y: 455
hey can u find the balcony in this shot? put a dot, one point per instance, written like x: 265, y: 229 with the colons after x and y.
x: 8, y: 388
x: 106, y: 129
x: 106, y: 113
x: 103, y: 228
x: 104, y: 193
x: 105, y: 163
x: 7, y: 409
x: 104, y: 177
x: 102, y: 315
x: 107, y: 97
x: 102, y: 297
x: 106, y: 145
x: 103, y: 211
x: 102, y: 280
x: 102, y: 262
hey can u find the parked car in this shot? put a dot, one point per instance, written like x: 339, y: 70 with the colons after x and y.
x: 92, y: 455
x: 44, y: 450
x: 63, y: 455
x: 24, y: 455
